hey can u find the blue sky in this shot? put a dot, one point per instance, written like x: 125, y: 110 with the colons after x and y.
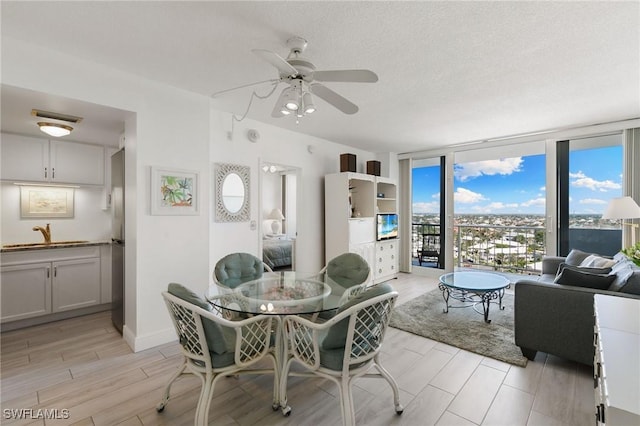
x: 517, y: 185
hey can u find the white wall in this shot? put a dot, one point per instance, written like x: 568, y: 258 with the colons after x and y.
x: 90, y: 222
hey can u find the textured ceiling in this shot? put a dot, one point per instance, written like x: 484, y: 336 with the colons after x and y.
x: 450, y: 72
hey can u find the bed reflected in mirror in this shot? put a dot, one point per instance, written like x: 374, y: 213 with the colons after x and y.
x: 279, y: 213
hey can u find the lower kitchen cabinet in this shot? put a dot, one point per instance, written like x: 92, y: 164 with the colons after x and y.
x: 49, y: 281
x: 26, y: 291
x: 75, y: 284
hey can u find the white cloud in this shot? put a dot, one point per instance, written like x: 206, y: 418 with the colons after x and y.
x: 504, y: 166
x: 584, y: 181
x: 534, y: 202
x: 467, y: 197
x: 592, y: 201
x: 426, y: 207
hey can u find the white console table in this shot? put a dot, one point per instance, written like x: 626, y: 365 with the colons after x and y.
x: 617, y: 360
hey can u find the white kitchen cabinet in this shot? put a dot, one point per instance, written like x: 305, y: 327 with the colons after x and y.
x: 75, y: 284
x: 26, y: 291
x: 51, y: 161
x: 40, y: 282
x: 76, y: 163
x: 352, y: 202
x: 24, y: 158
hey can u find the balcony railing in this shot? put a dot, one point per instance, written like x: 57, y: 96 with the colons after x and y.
x: 514, y: 249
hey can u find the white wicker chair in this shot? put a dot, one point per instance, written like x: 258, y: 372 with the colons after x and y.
x: 251, y: 341
x: 356, y: 335
x: 350, y: 271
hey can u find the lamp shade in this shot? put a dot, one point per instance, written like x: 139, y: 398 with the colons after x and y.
x: 276, y: 214
x: 622, y: 208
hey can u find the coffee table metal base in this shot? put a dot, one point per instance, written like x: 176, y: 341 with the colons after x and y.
x: 473, y: 298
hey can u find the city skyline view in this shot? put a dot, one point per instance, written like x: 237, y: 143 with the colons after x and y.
x: 517, y: 185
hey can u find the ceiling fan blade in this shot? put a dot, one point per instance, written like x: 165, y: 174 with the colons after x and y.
x: 221, y: 92
x: 349, y: 76
x: 276, y: 60
x: 333, y: 98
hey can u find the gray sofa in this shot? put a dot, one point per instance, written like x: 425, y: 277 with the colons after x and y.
x: 554, y: 314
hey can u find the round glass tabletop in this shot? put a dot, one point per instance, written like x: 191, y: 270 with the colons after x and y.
x: 478, y: 281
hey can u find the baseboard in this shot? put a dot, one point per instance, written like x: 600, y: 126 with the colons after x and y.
x: 28, y: 322
x: 140, y: 343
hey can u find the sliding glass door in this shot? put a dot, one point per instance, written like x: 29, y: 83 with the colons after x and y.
x: 589, y: 175
x: 427, y: 227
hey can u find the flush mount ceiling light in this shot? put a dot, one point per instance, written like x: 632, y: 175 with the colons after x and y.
x: 52, y: 128
x: 55, y: 129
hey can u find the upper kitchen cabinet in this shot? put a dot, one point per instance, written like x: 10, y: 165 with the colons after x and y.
x: 53, y: 161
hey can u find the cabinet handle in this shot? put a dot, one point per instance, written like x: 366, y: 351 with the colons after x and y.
x: 55, y: 271
x: 48, y: 272
x: 45, y: 172
x: 602, y: 418
x: 53, y: 173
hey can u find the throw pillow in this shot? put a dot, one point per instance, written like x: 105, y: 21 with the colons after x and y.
x: 218, y: 341
x: 601, y: 271
x: 337, y: 335
x: 575, y: 257
x: 595, y: 261
x: 573, y: 277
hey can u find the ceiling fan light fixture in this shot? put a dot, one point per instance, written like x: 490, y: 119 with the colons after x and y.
x: 291, y: 100
x: 307, y: 101
x: 54, y: 129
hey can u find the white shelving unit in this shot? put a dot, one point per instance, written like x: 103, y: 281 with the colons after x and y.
x: 352, y: 202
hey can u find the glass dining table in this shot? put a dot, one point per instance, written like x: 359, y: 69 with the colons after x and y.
x: 281, y: 293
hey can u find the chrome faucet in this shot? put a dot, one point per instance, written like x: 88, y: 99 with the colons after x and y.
x: 46, y: 233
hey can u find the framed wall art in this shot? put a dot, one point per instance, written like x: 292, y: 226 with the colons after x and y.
x: 46, y: 201
x: 174, y: 192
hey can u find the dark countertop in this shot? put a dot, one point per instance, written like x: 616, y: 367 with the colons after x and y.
x: 11, y: 248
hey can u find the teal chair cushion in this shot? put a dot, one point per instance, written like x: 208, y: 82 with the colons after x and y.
x: 221, y: 340
x: 348, y: 269
x: 336, y: 336
x: 237, y: 268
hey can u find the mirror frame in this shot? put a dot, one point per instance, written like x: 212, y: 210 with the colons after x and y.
x: 222, y: 170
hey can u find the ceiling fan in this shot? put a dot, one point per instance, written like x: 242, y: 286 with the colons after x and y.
x: 303, y: 80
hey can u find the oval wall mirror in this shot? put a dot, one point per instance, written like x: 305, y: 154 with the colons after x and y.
x: 232, y: 193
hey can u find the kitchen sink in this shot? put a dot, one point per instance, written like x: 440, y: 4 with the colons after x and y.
x: 53, y: 243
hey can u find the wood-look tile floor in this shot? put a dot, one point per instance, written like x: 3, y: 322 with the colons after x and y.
x: 83, y: 369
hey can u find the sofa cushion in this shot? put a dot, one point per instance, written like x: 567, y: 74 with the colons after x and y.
x: 575, y: 257
x: 595, y: 261
x: 622, y: 271
x: 574, y: 277
x: 632, y: 286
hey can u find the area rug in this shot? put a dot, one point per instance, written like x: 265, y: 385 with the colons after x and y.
x: 463, y: 328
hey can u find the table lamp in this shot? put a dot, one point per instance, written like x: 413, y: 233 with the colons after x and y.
x: 277, y: 217
x: 623, y: 208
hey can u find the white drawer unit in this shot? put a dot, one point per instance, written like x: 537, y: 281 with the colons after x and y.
x: 386, y: 266
x: 616, y: 364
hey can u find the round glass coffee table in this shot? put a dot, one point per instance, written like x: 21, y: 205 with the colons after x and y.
x: 473, y: 289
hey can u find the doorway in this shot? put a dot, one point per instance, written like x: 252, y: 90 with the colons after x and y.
x: 279, y: 189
